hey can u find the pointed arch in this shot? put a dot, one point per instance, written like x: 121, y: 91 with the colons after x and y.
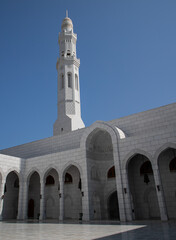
x: 162, y: 149
x: 68, y: 165
x: 48, y: 169
x: 15, y: 170
x: 131, y: 154
x: 113, y: 131
x: 31, y: 171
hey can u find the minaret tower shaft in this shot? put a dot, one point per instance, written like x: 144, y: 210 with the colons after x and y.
x: 69, y: 110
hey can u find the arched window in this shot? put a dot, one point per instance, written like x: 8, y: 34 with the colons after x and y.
x: 146, y: 168
x: 76, y: 81
x: 62, y: 81
x: 49, y: 180
x: 68, y: 53
x: 16, y: 183
x: 111, y: 172
x: 68, y: 178
x: 69, y: 80
x: 172, y: 165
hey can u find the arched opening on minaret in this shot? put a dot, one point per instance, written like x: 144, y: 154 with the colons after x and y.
x: 99, y: 153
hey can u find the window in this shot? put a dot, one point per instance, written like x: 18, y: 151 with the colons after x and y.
x: 62, y: 53
x: 69, y: 80
x: 62, y: 81
x: 68, y: 53
x: 76, y: 81
x: 111, y: 172
x: 146, y: 168
x: 172, y: 165
x: 68, y: 178
x: 49, y: 180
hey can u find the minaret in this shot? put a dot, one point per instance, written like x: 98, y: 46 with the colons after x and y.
x: 68, y: 103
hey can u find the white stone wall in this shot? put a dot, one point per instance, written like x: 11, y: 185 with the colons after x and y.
x: 148, y: 133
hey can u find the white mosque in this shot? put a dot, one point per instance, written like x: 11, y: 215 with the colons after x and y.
x: 124, y: 169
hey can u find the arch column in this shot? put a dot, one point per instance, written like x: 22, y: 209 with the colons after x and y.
x: 42, y: 199
x: 61, y: 199
x: 25, y: 199
x: 2, y: 197
x: 127, y: 197
x: 85, y: 195
x: 119, y: 185
x: 160, y: 195
x: 20, y: 200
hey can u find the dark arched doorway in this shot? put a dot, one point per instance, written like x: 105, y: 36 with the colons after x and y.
x: 11, y: 192
x: 72, y: 193
x: 167, y: 169
x: 31, y: 208
x: 51, y: 194
x: 34, y: 195
x: 143, y: 193
x: 113, y: 206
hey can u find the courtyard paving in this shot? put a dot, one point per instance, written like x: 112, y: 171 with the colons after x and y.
x: 153, y: 230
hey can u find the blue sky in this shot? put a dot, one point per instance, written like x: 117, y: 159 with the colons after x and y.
x: 127, y: 50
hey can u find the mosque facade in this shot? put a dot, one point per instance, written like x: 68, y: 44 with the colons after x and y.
x: 124, y: 169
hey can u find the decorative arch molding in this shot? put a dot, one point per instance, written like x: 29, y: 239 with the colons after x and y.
x: 50, y: 198
x: 131, y: 154
x: 115, y: 132
x: 67, y: 196
x: 163, y: 148
x: 16, y: 170
x: 68, y: 165
x: 31, y: 171
x: 2, y: 174
x: 47, y: 170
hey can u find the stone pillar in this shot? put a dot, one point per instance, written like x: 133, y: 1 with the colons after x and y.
x: 85, y: 197
x: 119, y: 185
x: 2, y: 197
x: 61, y: 199
x: 127, y: 195
x: 42, y: 199
x: 25, y: 199
x: 160, y: 194
x: 20, y: 200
